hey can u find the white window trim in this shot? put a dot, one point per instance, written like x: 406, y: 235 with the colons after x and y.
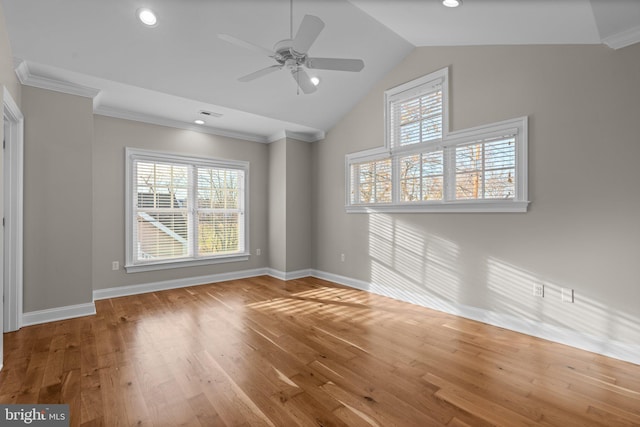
x: 132, y: 154
x: 440, y: 77
x: 518, y: 126
x: 362, y: 156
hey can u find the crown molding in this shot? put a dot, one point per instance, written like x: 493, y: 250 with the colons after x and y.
x: 623, y: 38
x: 119, y: 113
x: 300, y: 136
x: 305, y: 137
x: 28, y: 78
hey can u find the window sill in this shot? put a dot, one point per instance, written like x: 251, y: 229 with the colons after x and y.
x: 165, y: 265
x: 449, y: 207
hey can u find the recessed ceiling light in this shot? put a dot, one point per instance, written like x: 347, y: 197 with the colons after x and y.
x: 452, y: 3
x: 315, y: 80
x: 198, y: 122
x: 147, y: 17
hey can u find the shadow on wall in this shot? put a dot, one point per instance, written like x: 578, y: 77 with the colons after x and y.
x: 429, y: 270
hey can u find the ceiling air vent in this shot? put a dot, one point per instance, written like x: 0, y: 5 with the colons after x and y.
x: 210, y: 114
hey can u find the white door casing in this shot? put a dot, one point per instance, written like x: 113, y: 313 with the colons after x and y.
x: 12, y: 174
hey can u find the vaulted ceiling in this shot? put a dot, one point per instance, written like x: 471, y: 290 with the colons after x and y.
x: 168, y: 73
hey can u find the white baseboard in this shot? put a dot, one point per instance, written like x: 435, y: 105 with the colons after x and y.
x: 596, y: 344
x: 121, y: 291
x: 291, y: 275
x: 601, y: 345
x: 59, y: 313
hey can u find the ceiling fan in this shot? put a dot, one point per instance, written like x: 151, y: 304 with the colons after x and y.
x: 292, y: 54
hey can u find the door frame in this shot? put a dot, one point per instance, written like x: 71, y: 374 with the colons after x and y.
x: 13, y: 185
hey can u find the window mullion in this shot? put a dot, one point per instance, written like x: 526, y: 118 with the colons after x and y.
x: 449, y: 173
x: 421, y: 119
x: 358, y: 195
x: 484, y: 176
x: 421, y: 181
x: 395, y: 179
x: 374, y: 182
x: 395, y: 126
x: 353, y: 187
x: 192, y: 216
x: 242, y: 214
x: 133, y: 214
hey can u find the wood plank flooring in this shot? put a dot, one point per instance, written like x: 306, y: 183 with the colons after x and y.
x: 263, y: 352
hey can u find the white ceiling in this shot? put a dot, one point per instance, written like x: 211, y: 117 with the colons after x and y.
x: 427, y: 23
x: 169, y: 73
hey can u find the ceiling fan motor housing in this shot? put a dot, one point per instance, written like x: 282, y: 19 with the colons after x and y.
x: 286, y: 56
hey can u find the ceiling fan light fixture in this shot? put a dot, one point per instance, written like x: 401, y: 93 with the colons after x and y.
x: 452, y: 3
x: 198, y: 122
x: 315, y: 80
x: 147, y: 17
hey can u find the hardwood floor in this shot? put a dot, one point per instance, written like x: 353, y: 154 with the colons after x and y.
x: 307, y: 352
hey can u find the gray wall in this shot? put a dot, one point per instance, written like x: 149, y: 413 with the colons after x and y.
x: 289, y: 205
x: 277, y: 253
x: 111, y: 137
x: 298, y: 205
x: 57, y: 199
x: 582, y: 229
x: 7, y: 75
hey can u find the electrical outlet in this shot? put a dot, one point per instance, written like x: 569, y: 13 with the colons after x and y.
x: 538, y: 290
x: 567, y: 295
x: 258, y: 251
x: 115, y: 265
x: 342, y: 258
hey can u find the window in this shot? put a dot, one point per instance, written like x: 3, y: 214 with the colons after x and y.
x: 421, y: 176
x: 373, y: 181
x: 425, y: 168
x: 486, y: 170
x: 416, y: 115
x: 184, y: 211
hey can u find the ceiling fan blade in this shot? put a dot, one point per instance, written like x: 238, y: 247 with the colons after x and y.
x: 303, y: 80
x: 259, y: 73
x: 246, y: 44
x: 309, y: 30
x: 338, y: 64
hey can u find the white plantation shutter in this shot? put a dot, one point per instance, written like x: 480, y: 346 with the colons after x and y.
x: 371, y: 182
x: 184, y: 209
x: 486, y: 169
x: 220, y: 211
x: 422, y: 176
x: 161, y: 211
x: 416, y: 111
x: 418, y: 119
